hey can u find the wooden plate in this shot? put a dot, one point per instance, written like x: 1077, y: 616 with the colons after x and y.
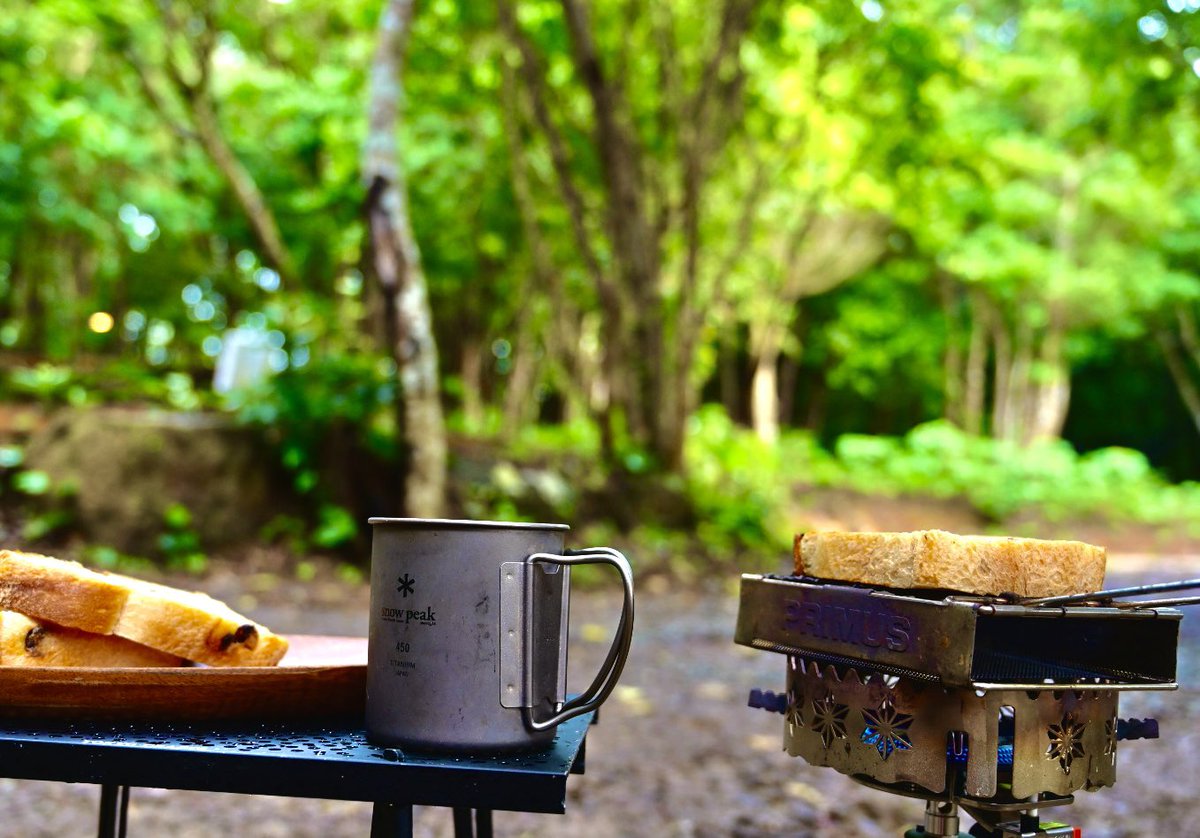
x: 319, y: 677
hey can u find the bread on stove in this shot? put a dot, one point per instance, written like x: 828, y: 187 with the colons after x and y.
x: 975, y: 564
x: 25, y: 641
x: 181, y: 623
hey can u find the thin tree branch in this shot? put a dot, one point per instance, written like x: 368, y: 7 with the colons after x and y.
x: 1176, y: 365
x: 618, y: 156
x: 667, y: 114
x: 740, y: 243
x: 703, y: 135
x: 533, y: 76
x: 1188, y: 333
x: 155, y: 97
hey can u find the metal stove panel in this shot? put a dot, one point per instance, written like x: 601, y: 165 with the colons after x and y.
x: 956, y: 641
x: 906, y: 731
x: 1061, y: 743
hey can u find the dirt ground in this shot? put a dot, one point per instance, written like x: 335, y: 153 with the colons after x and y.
x: 677, y: 752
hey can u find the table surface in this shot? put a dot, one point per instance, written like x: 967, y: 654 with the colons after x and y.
x: 331, y: 761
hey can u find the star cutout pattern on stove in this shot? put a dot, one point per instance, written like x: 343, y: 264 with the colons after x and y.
x: 1066, y: 741
x: 829, y: 719
x: 1110, y: 736
x: 887, y: 729
x: 795, y: 714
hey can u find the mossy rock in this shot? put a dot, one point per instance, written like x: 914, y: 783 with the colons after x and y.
x: 127, y: 466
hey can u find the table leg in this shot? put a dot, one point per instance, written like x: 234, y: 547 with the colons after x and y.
x: 483, y: 823
x: 114, y: 809
x: 391, y: 820
x: 462, y: 823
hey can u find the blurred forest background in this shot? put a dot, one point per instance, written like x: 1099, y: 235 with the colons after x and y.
x: 687, y: 275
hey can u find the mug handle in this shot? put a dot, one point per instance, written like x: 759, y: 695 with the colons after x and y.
x: 614, y: 661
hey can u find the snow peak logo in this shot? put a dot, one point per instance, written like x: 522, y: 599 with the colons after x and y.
x: 856, y: 626
x: 426, y: 617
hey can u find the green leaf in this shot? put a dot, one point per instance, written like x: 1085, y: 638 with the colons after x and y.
x: 32, y: 482
x: 336, y: 527
x: 177, y: 516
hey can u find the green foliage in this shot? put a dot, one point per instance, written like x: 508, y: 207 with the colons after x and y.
x: 1048, y: 480
x: 42, y: 524
x: 109, y: 558
x: 302, y: 406
x: 741, y: 487
x: 336, y: 527
x: 1036, y: 168
x: 46, y: 509
x: 46, y: 382
x: 32, y: 482
x: 179, y: 542
x: 734, y: 483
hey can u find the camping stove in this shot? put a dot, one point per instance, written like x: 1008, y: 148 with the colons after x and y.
x: 999, y: 706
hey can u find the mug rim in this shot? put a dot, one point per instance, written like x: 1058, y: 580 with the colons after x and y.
x: 465, y: 524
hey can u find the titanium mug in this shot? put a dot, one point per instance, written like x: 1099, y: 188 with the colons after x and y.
x: 468, y: 633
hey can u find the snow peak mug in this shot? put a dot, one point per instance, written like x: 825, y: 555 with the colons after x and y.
x: 468, y: 633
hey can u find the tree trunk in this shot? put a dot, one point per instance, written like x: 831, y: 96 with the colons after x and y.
x: 520, y: 396
x: 1052, y: 390
x: 818, y: 407
x: 1002, y: 353
x: 729, y: 380
x: 35, y: 303
x: 953, y: 374
x: 650, y: 403
x: 789, y: 374
x: 396, y: 262
x: 764, y: 397
x: 766, y: 347
x: 471, y: 371
x: 543, y: 278
x: 976, y: 370
x: 613, y: 361
x: 1020, y: 391
x: 1051, y: 401
x: 650, y: 333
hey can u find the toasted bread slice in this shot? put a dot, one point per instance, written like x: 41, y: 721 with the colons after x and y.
x: 195, y: 626
x: 25, y: 641
x: 973, y: 564
x: 63, y: 592
x: 181, y: 623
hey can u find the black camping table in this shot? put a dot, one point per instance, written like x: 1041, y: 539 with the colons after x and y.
x: 331, y: 761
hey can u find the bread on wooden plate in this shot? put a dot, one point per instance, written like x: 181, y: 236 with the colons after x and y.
x: 25, y: 641
x: 973, y: 564
x: 64, y: 592
x: 181, y: 623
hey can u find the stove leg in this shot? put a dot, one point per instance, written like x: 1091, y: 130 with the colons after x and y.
x: 462, y: 823
x: 483, y: 823
x: 114, y: 809
x: 391, y: 820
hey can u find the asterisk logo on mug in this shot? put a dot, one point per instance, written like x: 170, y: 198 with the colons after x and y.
x: 406, y: 585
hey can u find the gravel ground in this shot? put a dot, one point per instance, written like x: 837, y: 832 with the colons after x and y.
x: 677, y: 752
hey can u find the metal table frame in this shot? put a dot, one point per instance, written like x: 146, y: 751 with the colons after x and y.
x: 293, y: 760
